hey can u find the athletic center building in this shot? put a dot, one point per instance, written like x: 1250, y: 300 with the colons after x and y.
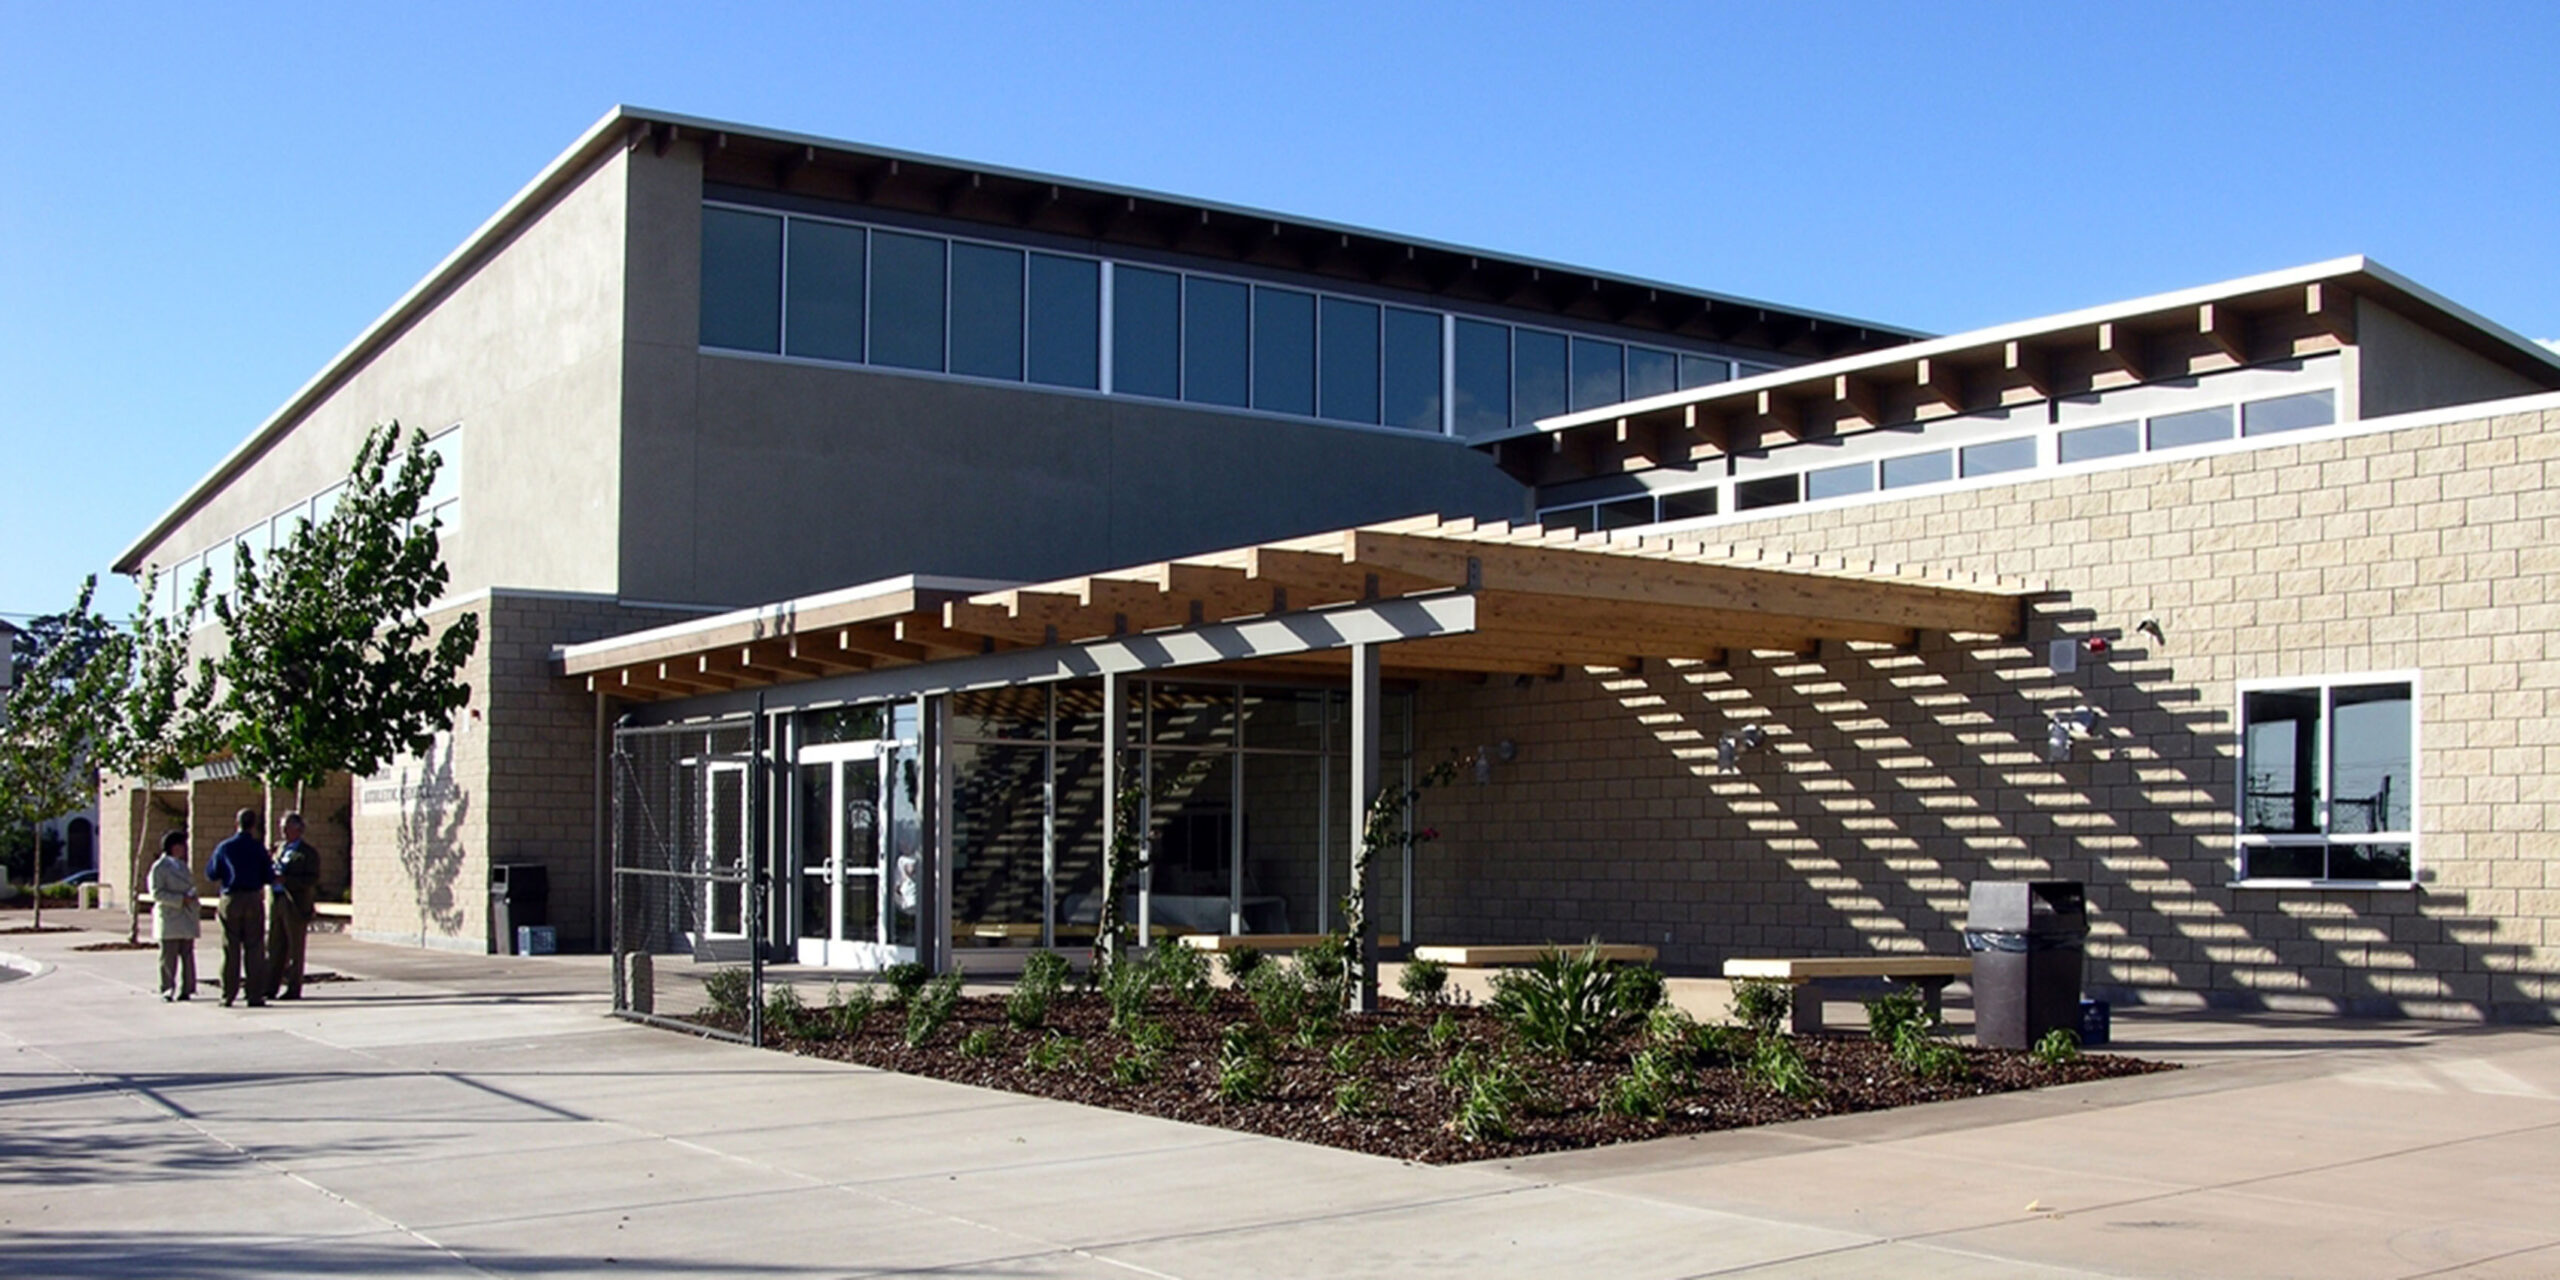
x: 833, y: 512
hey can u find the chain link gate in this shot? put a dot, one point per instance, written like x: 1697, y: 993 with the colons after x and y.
x: 690, y: 890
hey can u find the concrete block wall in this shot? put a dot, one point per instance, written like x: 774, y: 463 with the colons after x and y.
x: 121, y: 861
x: 420, y: 830
x: 1892, y: 778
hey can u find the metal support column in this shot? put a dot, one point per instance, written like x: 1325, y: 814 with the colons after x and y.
x: 1115, y: 741
x: 1365, y: 697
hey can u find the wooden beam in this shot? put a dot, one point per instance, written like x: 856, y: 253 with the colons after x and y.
x: 1214, y: 592
x: 1668, y: 631
x: 1779, y: 412
x: 2024, y: 369
x: 972, y: 617
x: 881, y: 643
x: 1941, y: 385
x: 828, y: 655
x: 679, y: 674
x: 2122, y: 349
x: 1856, y: 398
x: 944, y: 641
x: 1316, y: 577
x: 777, y: 660
x: 1133, y: 605
x: 2226, y: 329
x: 1664, y: 581
x: 2332, y: 309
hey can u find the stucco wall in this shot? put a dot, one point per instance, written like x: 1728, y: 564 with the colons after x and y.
x: 1893, y: 778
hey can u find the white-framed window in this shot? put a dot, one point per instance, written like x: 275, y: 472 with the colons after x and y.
x: 2329, y: 780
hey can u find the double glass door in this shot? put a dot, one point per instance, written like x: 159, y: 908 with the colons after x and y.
x: 856, y: 876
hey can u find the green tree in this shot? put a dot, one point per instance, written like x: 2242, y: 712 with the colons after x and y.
x: 164, y: 718
x: 56, y: 720
x: 332, y: 666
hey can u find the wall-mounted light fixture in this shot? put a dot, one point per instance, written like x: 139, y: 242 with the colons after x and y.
x: 1729, y: 749
x: 2064, y: 727
x: 1481, y: 760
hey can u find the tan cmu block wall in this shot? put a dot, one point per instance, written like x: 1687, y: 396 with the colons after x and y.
x: 1891, y: 779
x: 522, y: 766
x: 119, y: 807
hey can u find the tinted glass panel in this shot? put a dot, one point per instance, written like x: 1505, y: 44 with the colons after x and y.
x: 2106, y: 441
x: 1626, y: 513
x: 1690, y: 505
x: 826, y: 291
x: 1284, y: 351
x: 1066, y: 321
x: 1699, y: 371
x: 1537, y: 376
x: 1996, y: 456
x: 1215, y: 362
x: 1768, y: 491
x: 1835, y: 482
x: 1146, y: 338
x: 2369, y: 862
x: 1413, y: 370
x: 986, y: 311
x: 1019, y: 712
x: 1484, y: 378
x: 1919, y: 468
x: 1580, y: 519
x: 2369, y: 759
x: 1347, y: 378
x: 2288, y: 862
x: 906, y: 301
x: 2200, y: 426
x: 1745, y: 369
x: 2279, y: 762
x: 1651, y: 372
x: 2289, y: 413
x: 1599, y: 373
x: 741, y: 280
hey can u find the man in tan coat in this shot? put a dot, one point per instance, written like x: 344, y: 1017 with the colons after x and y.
x: 175, y: 922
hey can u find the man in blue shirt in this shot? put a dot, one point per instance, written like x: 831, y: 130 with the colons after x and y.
x: 242, y: 870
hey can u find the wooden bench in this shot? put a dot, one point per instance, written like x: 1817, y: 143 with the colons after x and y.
x: 1223, y: 942
x: 1004, y: 935
x: 1497, y: 956
x: 1930, y: 974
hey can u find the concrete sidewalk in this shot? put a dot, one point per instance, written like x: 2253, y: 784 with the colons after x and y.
x: 480, y: 1116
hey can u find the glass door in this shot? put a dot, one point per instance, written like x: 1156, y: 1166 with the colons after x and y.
x: 843, y: 851
x: 724, y: 834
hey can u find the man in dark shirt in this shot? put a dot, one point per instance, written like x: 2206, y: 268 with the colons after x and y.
x: 289, y: 919
x: 242, y: 870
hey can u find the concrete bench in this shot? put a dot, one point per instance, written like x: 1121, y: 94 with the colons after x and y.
x: 1930, y: 974
x: 1224, y: 942
x: 1493, y: 957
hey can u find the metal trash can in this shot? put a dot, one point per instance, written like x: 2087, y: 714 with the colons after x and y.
x: 519, y: 895
x: 2027, y: 938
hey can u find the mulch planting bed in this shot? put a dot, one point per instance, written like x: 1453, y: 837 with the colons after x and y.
x: 117, y: 946
x: 44, y: 928
x: 1409, y: 1110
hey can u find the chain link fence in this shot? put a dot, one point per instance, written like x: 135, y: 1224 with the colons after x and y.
x: 689, y: 890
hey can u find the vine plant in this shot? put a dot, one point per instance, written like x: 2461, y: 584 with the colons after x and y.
x: 1383, y: 829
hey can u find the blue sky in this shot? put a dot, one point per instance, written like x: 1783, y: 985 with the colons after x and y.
x: 205, y: 202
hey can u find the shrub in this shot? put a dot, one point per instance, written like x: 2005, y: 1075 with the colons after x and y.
x: 1778, y: 1066
x: 1926, y: 1056
x: 1491, y: 1092
x: 1044, y: 975
x: 1446, y: 1031
x: 1319, y: 1028
x: 1636, y: 990
x: 851, y: 1011
x: 980, y: 1043
x: 1048, y: 969
x: 1136, y: 1067
x: 1184, y: 974
x: 729, y: 991
x: 1324, y: 971
x: 931, y: 1007
x: 1279, y: 999
x: 1354, y: 1098
x: 1347, y: 1056
x: 1425, y: 982
x: 1053, y: 1052
x: 1685, y: 1041
x: 2058, y: 1047
x: 905, y: 979
x: 1654, y: 1079
x: 1244, y: 1065
x: 1128, y: 987
x: 1561, y: 1002
x: 786, y: 1015
x: 1151, y: 1036
x: 1762, y: 1004
x: 1394, y: 1041
x: 1889, y: 1014
x: 1241, y: 964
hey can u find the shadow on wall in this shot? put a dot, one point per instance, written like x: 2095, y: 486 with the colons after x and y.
x: 430, y: 842
x: 1890, y: 780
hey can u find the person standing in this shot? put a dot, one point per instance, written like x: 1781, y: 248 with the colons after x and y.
x: 174, y: 922
x: 289, y: 920
x: 242, y: 870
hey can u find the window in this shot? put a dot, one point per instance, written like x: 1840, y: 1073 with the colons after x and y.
x: 1688, y: 505
x: 1626, y: 513
x: 2289, y: 413
x: 1146, y: 332
x: 1768, y: 491
x: 2328, y: 780
x: 825, y: 320
x: 986, y: 311
x: 1537, y: 376
x: 1651, y: 372
x: 2082, y: 444
x: 1919, y: 468
x: 443, y: 500
x: 1699, y: 371
x: 1599, y: 373
x: 1484, y: 378
x: 1993, y: 457
x: 1412, y: 383
x: 907, y: 301
x: 741, y: 280
x: 1216, y: 340
x: 2196, y: 426
x: 1284, y: 351
x: 1066, y: 321
x: 1347, y: 372
x: 1840, y: 481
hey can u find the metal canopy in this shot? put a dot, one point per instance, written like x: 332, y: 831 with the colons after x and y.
x: 1445, y: 599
